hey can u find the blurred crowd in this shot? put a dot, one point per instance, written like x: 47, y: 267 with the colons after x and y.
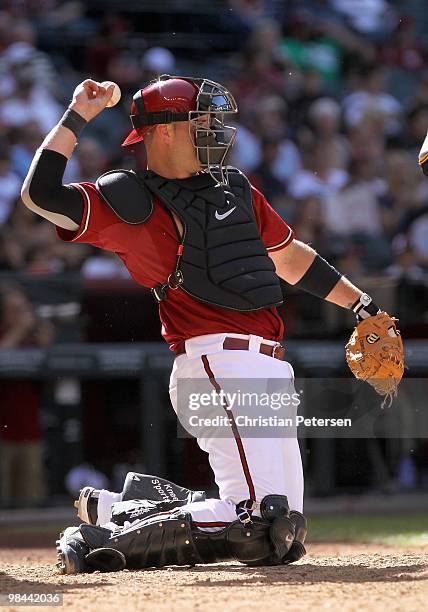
x: 333, y: 108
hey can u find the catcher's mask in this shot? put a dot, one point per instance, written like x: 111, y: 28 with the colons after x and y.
x: 202, y: 102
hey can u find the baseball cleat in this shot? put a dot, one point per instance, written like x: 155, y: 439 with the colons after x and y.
x: 87, y: 505
x: 71, y: 552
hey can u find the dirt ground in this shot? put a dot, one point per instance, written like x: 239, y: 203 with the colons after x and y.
x: 332, y: 576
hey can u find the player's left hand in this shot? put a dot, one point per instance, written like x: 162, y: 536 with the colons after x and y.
x: 375, y: 354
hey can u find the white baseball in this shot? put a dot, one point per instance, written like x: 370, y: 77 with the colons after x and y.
x: 116, y: 93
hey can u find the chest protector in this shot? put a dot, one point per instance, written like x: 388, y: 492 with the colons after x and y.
x: 221, y: 259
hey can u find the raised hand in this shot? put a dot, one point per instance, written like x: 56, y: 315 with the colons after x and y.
x: 90, y: 98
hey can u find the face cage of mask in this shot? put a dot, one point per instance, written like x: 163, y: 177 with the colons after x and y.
x: 212, y: 139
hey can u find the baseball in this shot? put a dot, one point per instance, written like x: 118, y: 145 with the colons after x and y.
x: 116, y: 93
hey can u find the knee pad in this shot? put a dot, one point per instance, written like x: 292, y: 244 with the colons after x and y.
x: 264, y: 541
x: 154, y: 488
x: 138, y: 509
x: 144, y: 495
x: 297, y: 550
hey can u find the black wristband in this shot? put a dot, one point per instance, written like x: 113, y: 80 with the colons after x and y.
x: 73, y: 121
x: 364, y: 307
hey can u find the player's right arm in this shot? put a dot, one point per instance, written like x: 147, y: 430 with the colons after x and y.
x: 43, y: 191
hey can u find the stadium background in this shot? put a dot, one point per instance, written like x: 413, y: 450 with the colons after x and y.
x: 333, y: 110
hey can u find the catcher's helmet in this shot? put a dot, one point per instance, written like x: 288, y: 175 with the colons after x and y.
x: 200, y: 101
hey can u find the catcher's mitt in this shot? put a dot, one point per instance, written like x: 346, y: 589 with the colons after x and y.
x: 375, y: 354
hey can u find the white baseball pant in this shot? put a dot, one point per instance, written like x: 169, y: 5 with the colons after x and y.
x: 244, y: 467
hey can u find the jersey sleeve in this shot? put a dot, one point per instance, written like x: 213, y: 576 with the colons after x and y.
x: 423, y: 162
x: 423, y: 156
x: 275, y: 232
x: 97, y: 221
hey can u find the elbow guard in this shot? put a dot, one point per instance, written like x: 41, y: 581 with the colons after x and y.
x: 43, y: 187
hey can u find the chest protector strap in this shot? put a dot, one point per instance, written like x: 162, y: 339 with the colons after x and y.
x: 221, y: 259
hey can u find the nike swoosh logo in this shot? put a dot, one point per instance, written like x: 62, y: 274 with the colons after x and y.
x: 220, y: 217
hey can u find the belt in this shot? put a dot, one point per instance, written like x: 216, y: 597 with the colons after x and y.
x: 240, y: 344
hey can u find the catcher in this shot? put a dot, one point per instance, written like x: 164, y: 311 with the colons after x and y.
x: 211, y: 250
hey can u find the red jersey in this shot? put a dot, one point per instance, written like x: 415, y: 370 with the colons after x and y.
x: 149, y: 252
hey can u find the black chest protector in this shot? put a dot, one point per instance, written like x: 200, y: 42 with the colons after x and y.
x: 221, y: 259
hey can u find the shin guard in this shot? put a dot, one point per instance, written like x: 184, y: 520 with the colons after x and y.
x: 170, y: 538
